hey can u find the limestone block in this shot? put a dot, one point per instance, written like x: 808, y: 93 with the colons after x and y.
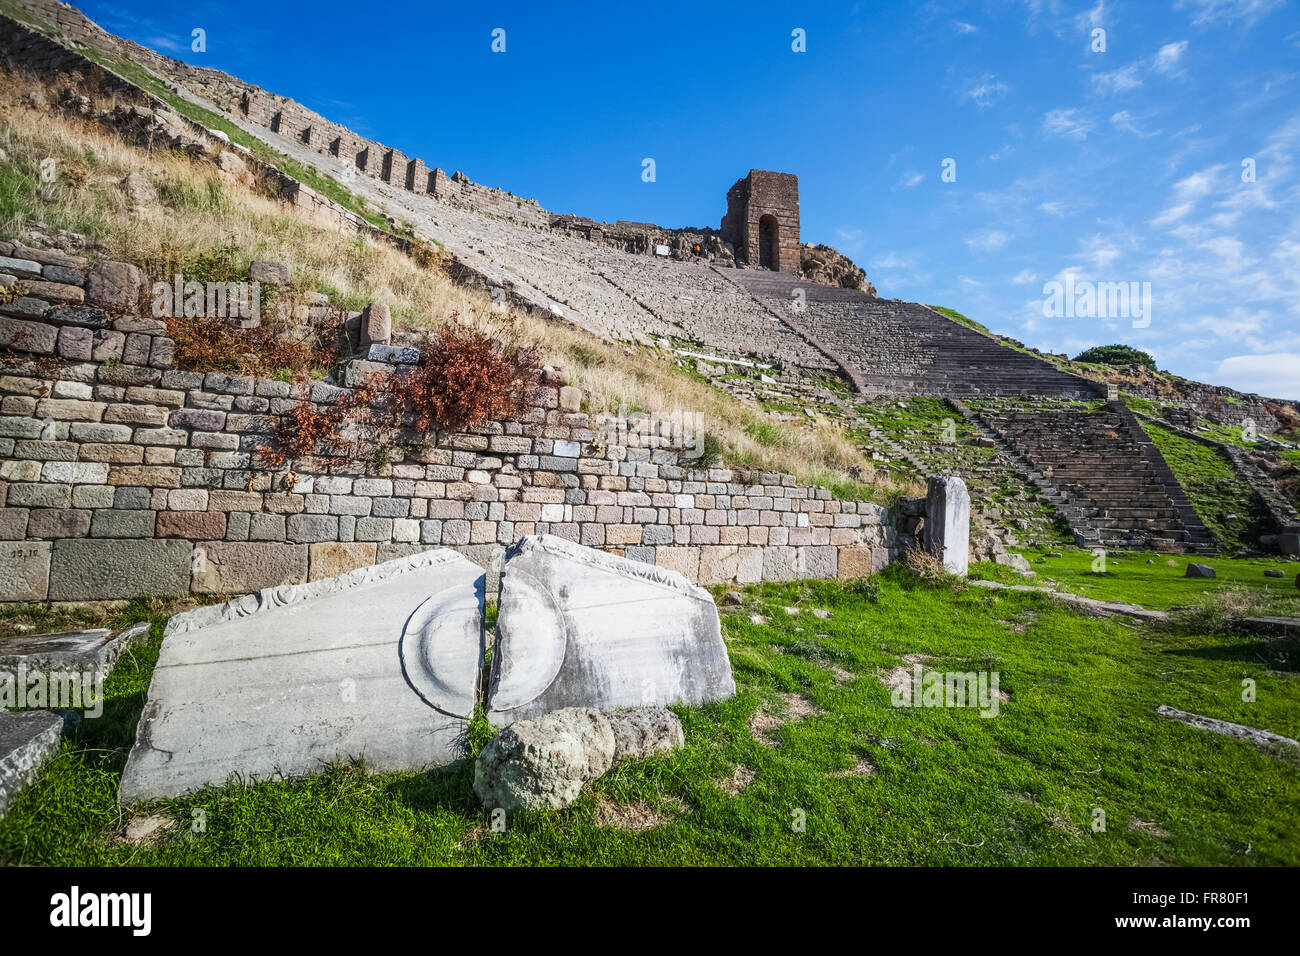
x: 91, y: 651
x: 103, y: 569
x: 581, y: 628
x: 115, y: 286
x: 947, y: 521
x: 27, y: 740
x: 380, y: 663
x: 226, y: 567
x: 376, y: 325
x: 24, y: 570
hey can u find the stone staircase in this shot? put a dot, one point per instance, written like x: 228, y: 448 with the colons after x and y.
x: 903, y: 348
x: 1099, y: 468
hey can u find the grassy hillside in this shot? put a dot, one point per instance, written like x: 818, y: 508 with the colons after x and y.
x: 197, y: 215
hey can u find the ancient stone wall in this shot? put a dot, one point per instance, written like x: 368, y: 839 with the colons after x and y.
x: 122, y: 475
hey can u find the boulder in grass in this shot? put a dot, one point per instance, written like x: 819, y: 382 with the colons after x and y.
x: 1199, y: 571
x: 544, y: 762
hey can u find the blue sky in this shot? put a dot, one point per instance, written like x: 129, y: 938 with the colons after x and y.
x: 1117, y: 165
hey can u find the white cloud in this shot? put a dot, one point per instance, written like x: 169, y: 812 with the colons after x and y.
x: 912, y: 178
x: 890, y: 260
x: 1126, y: 121
x: 987, y: 91
x: 1212, y: 13
x: 988, y: 241
x: 1117, y: 81
x: 1188, y: 191
x: 1024, y: 277
x: 963, y: 28
x: 1168, y: 58
x: 1276, y: 375
x: 1067, y: 123
x: 1003, y: 152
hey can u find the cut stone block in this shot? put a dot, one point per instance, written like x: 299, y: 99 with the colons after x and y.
x: 581, y: 628
x: 101, y: 569
x: 27, y: 740
x: 24, y: 570
x: 947, y: 521
x: 380, y: 664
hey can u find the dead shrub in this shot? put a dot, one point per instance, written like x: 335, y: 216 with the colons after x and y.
x: 208, y: 344
x: 925, y: 564
x: 468, y: 377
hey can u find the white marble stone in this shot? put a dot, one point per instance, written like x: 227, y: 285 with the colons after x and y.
x: 947, y: 521
x: 581, y: 628
x: 380, y: 664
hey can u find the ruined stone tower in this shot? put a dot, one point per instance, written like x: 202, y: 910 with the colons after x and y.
x: 762, y: 220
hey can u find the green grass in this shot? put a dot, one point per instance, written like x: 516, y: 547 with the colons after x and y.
x: 1214, y: 488
x: 949, y: 787
x: 1159, y: 585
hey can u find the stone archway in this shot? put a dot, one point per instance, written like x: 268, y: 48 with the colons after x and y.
x: 768, y: 243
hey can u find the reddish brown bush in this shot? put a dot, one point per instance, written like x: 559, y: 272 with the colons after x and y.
x: 206, y: 344
x: 468, y: 378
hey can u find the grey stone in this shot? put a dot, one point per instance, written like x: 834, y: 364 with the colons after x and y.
x: 24, y: 570
x: 1274, y: 573
x: 1289, y: 543
x: 27, y: 740
x: 381, y: 663
x: 226, y: 567
x: 559, y: 605
x: 82, y: 652
x: 1199, y: 571
x: 393, y: 355
x: 643, y: 731
x: 947, y: 521
x: 262, y: 270
x: 110, y: 523
x: 114, y: 285
x: 102, y: 569
x: 544, y: 762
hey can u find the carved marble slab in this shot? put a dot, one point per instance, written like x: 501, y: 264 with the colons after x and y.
x: 381, y: 664
x: 581, y: 628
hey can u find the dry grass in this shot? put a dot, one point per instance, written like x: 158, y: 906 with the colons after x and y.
x: 197, y: 211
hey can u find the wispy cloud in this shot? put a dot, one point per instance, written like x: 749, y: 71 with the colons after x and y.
x: 1214, y: 13
x: 990, y: 241
x: 1169, y: 58
x: 1067, y: 123
x: 987, y: 91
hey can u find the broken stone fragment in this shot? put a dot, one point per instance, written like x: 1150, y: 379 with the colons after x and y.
x: 380, y: 664
x: 578, y: 627
x: 544, y: 762
x: 27, y: 740
x: 947, y: 521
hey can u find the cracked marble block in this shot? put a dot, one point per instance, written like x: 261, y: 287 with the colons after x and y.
x: 578, y: 627
x: 380, y: 664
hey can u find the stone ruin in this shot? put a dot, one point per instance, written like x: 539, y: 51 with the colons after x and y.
x: 383, y: 664
x: 762, y: 220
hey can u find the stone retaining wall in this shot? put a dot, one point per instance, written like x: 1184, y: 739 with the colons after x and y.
x: 121, y: 475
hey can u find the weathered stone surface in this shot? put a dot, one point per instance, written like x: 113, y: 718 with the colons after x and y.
x: 1261, y: 738
x: 332, y: 558
x: 83, y: 652
x: 544, y: 762
x: 1195, y: 570
x: 376, y: 325
x: 947, y: 521
x: 581, y: 628
x: 24, y: 570
x: 263, y: 270
x: 222, y: 567
x: 393, y: 354
x: 102, y: 569
x: 115, y: 286
x: 381, y: 663
x: 1289, y: 543
x: 27, y: 740
x: 642, y: 731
